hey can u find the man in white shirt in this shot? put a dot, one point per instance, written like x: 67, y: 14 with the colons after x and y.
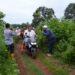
x: 31, y: 33
x: 18, y: 31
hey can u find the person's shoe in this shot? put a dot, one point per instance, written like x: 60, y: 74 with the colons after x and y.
x: 49, y: 55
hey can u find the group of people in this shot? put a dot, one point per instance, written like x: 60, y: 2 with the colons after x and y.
x: 10, y: 33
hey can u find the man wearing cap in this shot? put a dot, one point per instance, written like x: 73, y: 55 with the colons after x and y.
x: 51, y: 39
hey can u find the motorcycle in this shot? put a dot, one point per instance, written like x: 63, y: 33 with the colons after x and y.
x: 31, y: 47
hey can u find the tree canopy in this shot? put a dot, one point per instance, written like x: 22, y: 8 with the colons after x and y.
x: 70, y: 11
x: 41, y: 14
x: 1, y: 15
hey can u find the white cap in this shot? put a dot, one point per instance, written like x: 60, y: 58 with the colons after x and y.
x: 45, y: 26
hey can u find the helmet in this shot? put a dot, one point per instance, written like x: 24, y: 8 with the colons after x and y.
x: 45, y: 26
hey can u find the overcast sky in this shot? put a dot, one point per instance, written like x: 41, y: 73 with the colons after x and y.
x: 21, y: 11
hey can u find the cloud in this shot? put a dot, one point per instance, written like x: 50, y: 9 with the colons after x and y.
x: 18, y: 11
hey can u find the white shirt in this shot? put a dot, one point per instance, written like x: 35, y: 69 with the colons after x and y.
x: 18, y: 32
x: 31, y: 34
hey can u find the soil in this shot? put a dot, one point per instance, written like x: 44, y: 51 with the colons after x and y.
x: 19, y: 61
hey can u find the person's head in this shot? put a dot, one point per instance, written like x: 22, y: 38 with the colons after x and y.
x: 17, y: 28
x: 45, y: 27
x: 7, y: 25
x: 29, y: 27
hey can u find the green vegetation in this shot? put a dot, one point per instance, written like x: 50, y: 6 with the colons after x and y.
x: 64, y: 48
x: 64, y: 30
x: 56, y: 70
x: 70, y: 11
x: 65, y: 35
x: 41, y: 14
x: 7, y: 66
x: 33, y: 69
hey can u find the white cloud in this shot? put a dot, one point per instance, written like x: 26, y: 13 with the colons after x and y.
x: 18, y: 11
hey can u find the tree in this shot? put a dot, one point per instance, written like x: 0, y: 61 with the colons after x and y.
x: 70, y: 11
x: 1, y: 16
x: 20, y: 25
x: 42, y: 14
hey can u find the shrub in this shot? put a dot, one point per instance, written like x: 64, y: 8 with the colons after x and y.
x: 7, y: 66
x: 69, y: 55
x: 65, y: 35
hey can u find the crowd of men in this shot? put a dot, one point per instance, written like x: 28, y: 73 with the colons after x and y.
x: 9, y: 34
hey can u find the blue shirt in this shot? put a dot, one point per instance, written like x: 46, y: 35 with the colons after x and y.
x: 8, y: 36
x: 49, y: 34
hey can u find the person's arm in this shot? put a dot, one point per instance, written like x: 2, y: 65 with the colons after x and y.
x: 46, y: 33
x: 12, y: 33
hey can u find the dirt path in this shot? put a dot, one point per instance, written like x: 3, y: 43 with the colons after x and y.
x: 21, y: 64
x: 45, y: 70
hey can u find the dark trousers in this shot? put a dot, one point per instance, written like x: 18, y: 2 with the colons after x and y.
x: 51, y: 44
x: 10, y: 48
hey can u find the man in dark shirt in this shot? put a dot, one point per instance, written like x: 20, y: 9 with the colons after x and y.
x: 51, y: 39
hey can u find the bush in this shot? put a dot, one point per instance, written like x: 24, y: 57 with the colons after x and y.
x: 7, y: 66
x: 69, y: 55
x: 65, y: 35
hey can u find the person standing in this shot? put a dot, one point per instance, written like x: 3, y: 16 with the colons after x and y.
x: 18, y: 31
x: 9, y: 41
x: 51, y: 39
